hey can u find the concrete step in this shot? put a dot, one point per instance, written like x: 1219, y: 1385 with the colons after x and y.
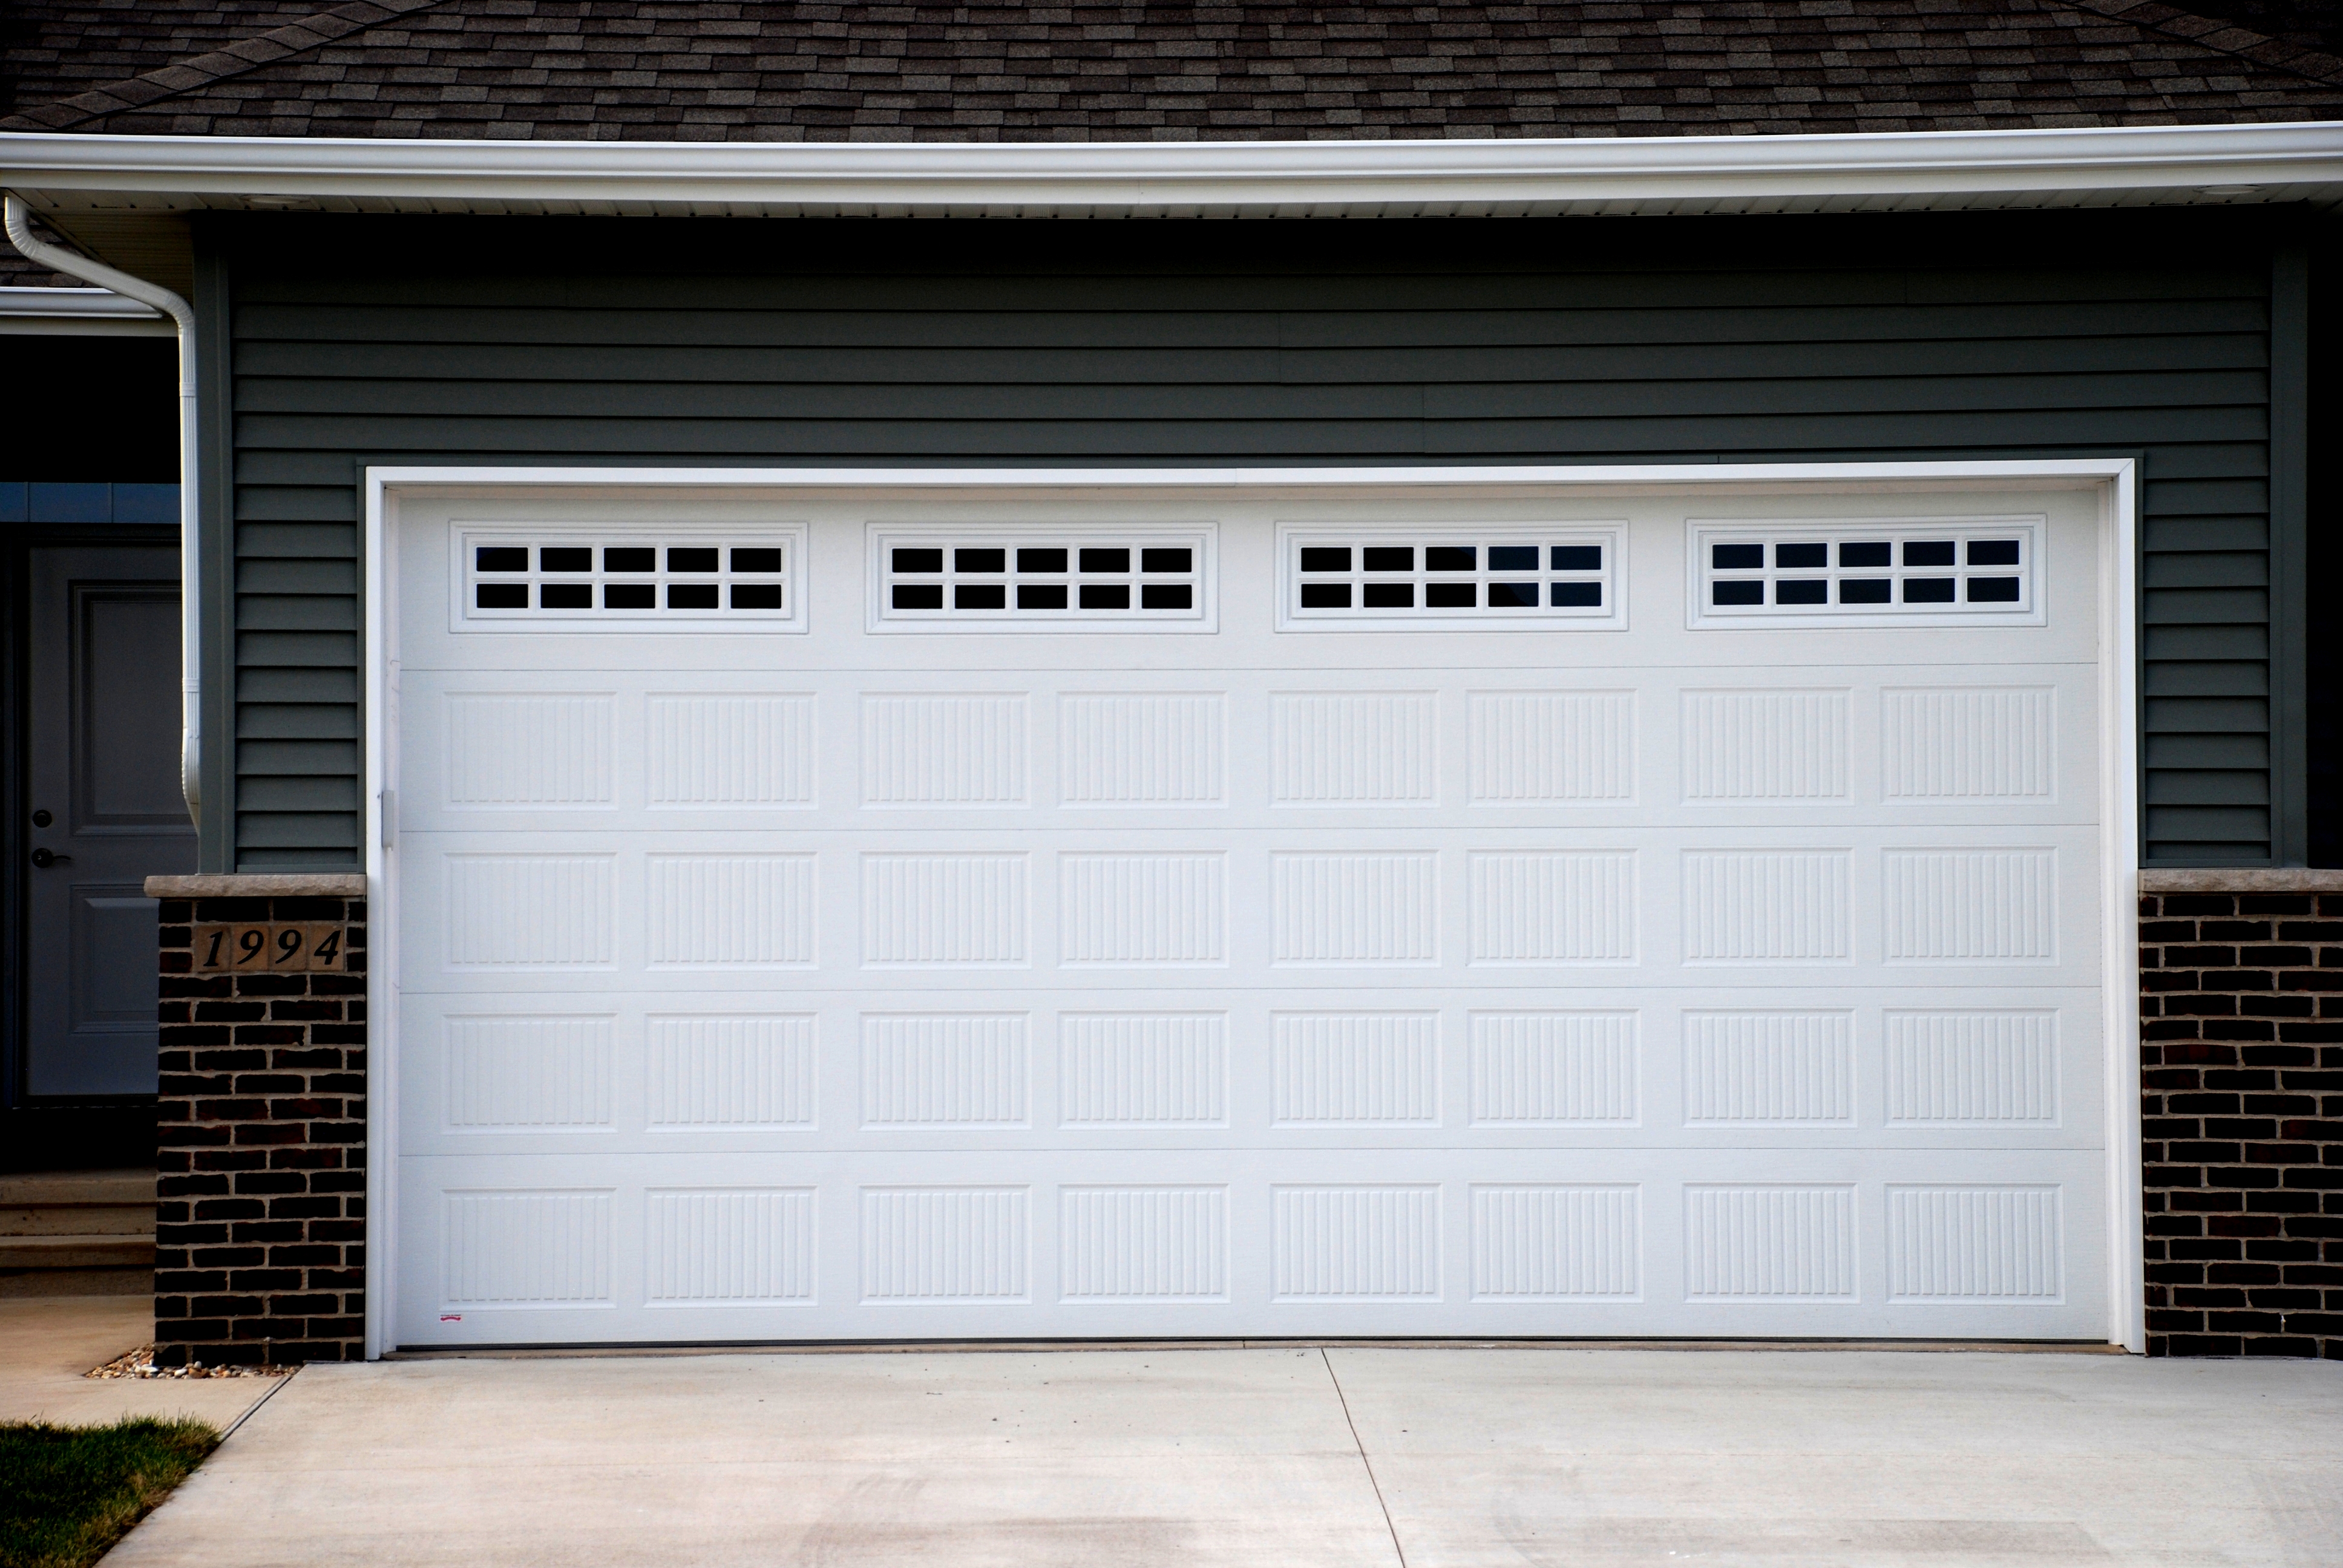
x: 19, y: 1284
x: 79, y: 1220
x: 50, y: 1188
x: 84, y: 1252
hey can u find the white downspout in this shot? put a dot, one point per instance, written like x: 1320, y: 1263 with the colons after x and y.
x: 191, y: 684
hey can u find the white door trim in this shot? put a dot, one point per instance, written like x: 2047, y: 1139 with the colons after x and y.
x: 2113, y: 479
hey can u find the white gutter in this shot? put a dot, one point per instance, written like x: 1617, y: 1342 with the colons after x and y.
x: 2255, y: 161
x: 20, y: 235
x: 96, y: 311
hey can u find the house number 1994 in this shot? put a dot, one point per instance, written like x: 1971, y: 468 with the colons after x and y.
x: 270, y: 949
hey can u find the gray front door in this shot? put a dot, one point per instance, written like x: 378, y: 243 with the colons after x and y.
x: 103, y: 773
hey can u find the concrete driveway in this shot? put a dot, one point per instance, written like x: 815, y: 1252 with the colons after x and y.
x: 1278, y: 1456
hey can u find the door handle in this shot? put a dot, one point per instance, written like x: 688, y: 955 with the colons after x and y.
x: 44, y: 859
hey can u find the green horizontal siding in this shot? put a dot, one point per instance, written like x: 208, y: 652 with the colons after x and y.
x: 403, y: 340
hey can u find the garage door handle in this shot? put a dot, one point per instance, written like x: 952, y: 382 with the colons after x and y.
x: 44, y: 859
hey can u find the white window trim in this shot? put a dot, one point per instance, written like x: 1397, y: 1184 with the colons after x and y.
x: 2114, y: 479
x: 1702, y: 533
x: 1202, y: 616
x: 1292, y: 538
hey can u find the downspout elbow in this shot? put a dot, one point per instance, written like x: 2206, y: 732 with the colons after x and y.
x: 72, y: 265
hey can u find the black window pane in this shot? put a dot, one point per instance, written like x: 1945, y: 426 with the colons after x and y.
x: 1927, y: 590
x: 691, y: 596
x: 757, y: 560
x: 1041, y: 595
x: 1802, y: 591
x: 635, y: 558
x: 1041, y: 561
x: 1993, y: 552
x: 501, y: 596
x: 980, y: 561
x: 979, y: 596
x: 1863, y: 590
x: 1391, y: 557
x: 1325, y: 595
x: 1165, y: 561
x: 1751, y: 591
x: 1993, y: 591
x: 905, y: 560
x: 1388, y: 596
x: 1106, y: 595
x: 756, y: 595
x: 1929, y: 552
x: 629, y: 596
x: 1106, y: 561
x: 1451, y: 558
x: 695, y: 559
x: 1735, y: 557
x: 1512, y: 557
x: 1801, y: 557
x: 1447, y: 595
x: 1866, y: 553
x: 1574, y: 596
x: 566, y: 595
x: 501, y: 558
x: 915, y: 596
x: 566, y: 559
x: 1576, y: 559
x: 1166, y: 596
x: 1513, y: 596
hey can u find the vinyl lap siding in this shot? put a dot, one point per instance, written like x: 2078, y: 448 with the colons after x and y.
x: 1047, y: 343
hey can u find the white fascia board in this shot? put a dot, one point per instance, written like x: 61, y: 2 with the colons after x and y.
x: 1964, y: 167
x: 84, y: 312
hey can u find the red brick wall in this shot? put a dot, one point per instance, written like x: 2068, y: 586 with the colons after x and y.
x: 2241, y: 1060
x: 260, y: 1218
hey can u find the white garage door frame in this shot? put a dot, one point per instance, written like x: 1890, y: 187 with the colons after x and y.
x: 2114, y: 479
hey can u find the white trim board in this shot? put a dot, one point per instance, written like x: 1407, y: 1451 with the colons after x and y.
x: 78, y: 312
x: 1502, y: 175
x: 2114, y: 479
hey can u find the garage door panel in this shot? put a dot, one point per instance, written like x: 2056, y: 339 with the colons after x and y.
x: 838, y: 976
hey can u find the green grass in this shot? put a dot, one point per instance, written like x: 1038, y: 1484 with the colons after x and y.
x: 68, y: 1492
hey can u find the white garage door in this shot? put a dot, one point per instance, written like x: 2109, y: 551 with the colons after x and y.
x: 843, y: 916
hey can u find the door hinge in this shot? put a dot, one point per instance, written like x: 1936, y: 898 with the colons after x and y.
x: 389, y: 799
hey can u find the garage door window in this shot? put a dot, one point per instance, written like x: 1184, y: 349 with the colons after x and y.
x: 1960, y: 569
x: 1040, y: 579
x: 1447, y: 577
x: 578, y: 580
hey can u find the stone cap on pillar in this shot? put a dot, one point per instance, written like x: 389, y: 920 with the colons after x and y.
x: 2233, y: 879
x: 268, y: 885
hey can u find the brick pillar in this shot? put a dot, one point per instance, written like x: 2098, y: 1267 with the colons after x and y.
x: 260, y: 1213
x: 2241, y: 1077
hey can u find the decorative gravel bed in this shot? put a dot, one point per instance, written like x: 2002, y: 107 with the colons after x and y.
x: 140, y: 1362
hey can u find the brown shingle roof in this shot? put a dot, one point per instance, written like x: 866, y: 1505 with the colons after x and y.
x: 750, y: 70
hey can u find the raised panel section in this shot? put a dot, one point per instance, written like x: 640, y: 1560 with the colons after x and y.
x: 1968, y: 743
x: 1142, y: 748
x: 1757, y: 1067
x: 718, y: 751
x: 1355, y: 1069
x: 1143, y: 1069
x: 526, y: 1249
x: 1557, y: 1244
x: 1552, y: 907
x: 1974, y: 1245
x: 1765, y: 745
x: 1143, y: 1243
x: 944, y: 749
x: 1984, y: 1068
x: 1356, y: 1243
x: 1970, y: 905
x: 1150, y: 908
x: 528, y: 911
x: 727, y: 1247
x: 1765, y: 906
x: 731, y: 912
x: 1761, y: 1243
x: 721, y: 1072
x: 1355, y: 747
x: 1553, y: 747
x: 527, y: 1074
x: 1355, y: 909
x: 945, y: 1245
x: 944, y: 1070
x: 527, y: 752
x: 1534, y: 1068
x: 944, y: 910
